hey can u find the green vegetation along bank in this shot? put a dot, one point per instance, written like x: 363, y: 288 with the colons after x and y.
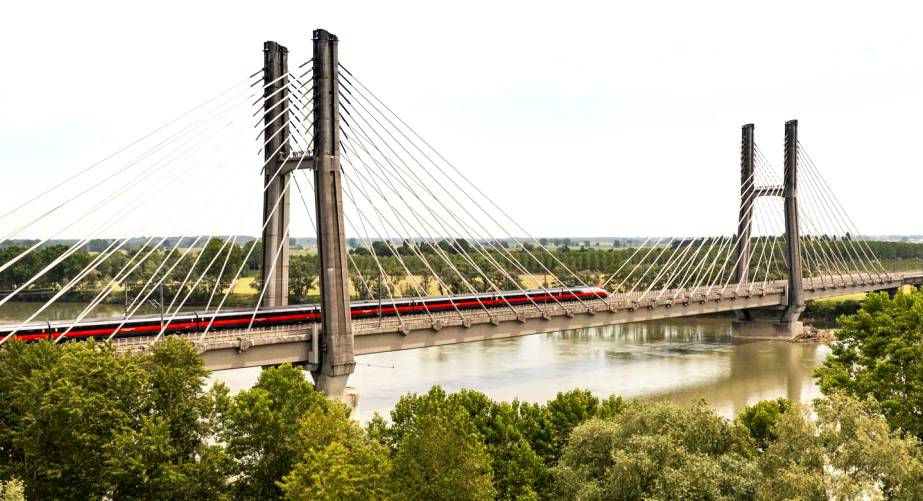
x: 81, y: 422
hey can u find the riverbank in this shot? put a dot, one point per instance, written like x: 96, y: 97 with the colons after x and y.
x: 811, y: 334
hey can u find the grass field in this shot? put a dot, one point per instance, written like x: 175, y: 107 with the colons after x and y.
x: 859, y: 296
x: 248, y: 285
x: 245, y: 286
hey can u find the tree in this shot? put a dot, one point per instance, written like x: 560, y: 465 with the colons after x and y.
x: 259, y: 427
x: 82, y: 422
x: 441, y: 456
x: 168, y: 454
x: 657, y: 451
x: 548, y: 427
x: 760, y: 418
x: 793, y: 464
x: 865, y: 455
x: 302, y: 275
x: 848, y: 453
x: 518, y: 470
x: 436, y: 449
x: 879, y: 352
x: 338, y: 460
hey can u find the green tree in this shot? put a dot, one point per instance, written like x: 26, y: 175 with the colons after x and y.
x: 657, y: 451
x: 168, y: 454
x: 259, y: 427
x: 760, y: 418
x: 879, y: 352
x: 441, y: 456
x: 302, y: 275
x: 548, y: 427
x: 338, y: 461
x: 437, y: 451
x: 793, y: 463
x: 85, y: 423
x: 849, y: 452
x: 865, y: 455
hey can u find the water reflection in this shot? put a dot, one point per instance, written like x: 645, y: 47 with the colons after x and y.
x: 680, y: 361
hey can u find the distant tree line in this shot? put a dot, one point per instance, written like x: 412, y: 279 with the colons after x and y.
x: 411, y: 268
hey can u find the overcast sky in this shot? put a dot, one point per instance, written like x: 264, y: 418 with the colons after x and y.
x: 629, y: 112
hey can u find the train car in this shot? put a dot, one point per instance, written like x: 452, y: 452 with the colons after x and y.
x: 151, y: 325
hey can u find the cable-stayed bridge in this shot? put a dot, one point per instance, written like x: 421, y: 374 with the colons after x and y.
x: 410, y: 252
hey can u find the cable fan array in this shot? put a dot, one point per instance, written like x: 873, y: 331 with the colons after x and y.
x: 833, y: 253
x: 418, y: 227
x: 185, y: 175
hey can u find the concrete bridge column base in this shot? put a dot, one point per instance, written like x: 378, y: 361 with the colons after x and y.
x: 335, y: 388
x: 757, y: 329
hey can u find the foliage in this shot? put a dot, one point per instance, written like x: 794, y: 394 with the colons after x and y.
x: 660, y: 451
x: 194, y: 273
x: 338, y: 461
x: 81, y: 422
x: 12, y: 490
x: 760, y: 418
x: 826, y: 313
x: 848, y: 453
x: 879, y: 352
x: 259, y: 427
x: 437, y: 450
x: 461, y: 265
x: 302, y: 272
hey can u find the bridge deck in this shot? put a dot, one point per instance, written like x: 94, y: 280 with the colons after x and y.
x: 269, y: 346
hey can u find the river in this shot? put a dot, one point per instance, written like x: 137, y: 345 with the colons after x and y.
x: 678, y: 360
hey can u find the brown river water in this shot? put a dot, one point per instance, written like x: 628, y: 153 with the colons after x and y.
x: 679, y: 360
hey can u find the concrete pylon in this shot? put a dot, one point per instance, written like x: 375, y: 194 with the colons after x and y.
x: 274, y: 270
x: 747, y: 187
x: 336, y: 360
x: 795, y: 292
x: 787, y: 325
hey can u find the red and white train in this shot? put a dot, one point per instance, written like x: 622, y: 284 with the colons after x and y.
x: 149, y: 325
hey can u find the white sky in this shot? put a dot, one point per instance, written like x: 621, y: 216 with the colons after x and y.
x: 629, y: 112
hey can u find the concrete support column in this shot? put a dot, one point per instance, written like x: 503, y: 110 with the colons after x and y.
x: 336, y: 360
x: 274, y: 270
x: 747, y: 187
x: 795, y: 292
